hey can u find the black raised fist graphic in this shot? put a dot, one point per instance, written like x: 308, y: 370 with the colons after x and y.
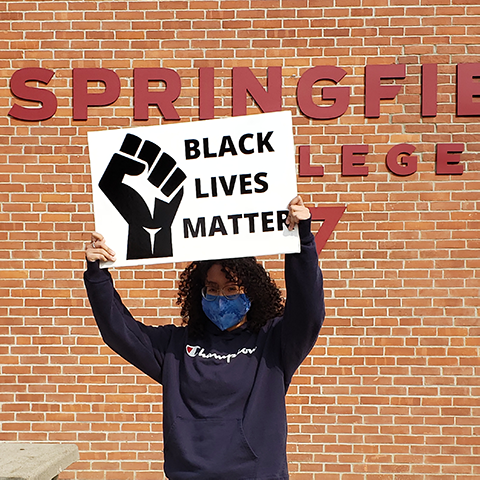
x: 150, y: 223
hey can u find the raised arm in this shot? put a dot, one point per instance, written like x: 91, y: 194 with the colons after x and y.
x: 305, y: 306
x: 141, y: 345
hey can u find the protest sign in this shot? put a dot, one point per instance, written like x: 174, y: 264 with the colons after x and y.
x: 195, y: 191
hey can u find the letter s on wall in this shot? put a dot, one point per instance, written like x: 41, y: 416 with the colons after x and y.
x: 21, y: 90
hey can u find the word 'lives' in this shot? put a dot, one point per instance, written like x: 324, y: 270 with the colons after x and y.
x: 228, y: 187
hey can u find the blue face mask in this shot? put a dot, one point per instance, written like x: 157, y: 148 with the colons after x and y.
x: 226, y: 313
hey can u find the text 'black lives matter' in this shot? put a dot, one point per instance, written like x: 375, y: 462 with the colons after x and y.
x: 235, y: 224
x: 220, y: 185
x: 246, y: 144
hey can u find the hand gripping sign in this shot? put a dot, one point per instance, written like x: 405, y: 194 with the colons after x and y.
x: 195, y: 191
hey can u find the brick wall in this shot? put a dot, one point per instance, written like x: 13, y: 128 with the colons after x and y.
x: 392, y: 389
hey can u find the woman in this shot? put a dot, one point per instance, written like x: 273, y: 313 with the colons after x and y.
x: 225, y: 374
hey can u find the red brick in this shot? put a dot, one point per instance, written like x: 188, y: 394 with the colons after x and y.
x: 390, y: 388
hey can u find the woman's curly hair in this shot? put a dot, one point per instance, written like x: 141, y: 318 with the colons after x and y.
x: 260, y: 288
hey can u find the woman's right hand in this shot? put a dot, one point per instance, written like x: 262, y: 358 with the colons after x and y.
x: 98, y: 250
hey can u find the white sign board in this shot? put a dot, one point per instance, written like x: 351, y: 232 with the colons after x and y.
x: 195, y: 191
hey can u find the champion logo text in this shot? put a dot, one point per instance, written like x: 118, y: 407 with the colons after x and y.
x: 197, y: 351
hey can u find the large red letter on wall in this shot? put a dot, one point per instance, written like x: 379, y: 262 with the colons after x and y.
x: 429, y: 90
x: 243, y: 81
x: 206, y: 93
x: 353, y: 160
x: 163, y: 100
x: 330, y: 216
x: 467, y: 89
x: 448, y: 158
x: 305, y: 169
x: 82, y: 99
x: 375, y: 91
x: 340, y: 95
x: 21, y: 90
x: 407, y: 165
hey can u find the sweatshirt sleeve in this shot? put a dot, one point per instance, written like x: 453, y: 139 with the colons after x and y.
x: 141, y: 345
x: 305, y: 305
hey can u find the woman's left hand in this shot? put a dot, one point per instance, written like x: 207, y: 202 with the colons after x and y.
x: 297, y: 211
x: 98, y: 250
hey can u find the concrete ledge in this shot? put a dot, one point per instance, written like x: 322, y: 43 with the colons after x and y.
x: 35, y: 461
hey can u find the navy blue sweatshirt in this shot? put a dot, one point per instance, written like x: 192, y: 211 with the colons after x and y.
x: 224, y: 413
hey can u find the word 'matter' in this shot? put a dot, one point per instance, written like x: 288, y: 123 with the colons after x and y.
x: 235, y: 224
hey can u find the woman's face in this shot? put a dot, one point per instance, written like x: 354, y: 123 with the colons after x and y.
x: 218, y: 283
